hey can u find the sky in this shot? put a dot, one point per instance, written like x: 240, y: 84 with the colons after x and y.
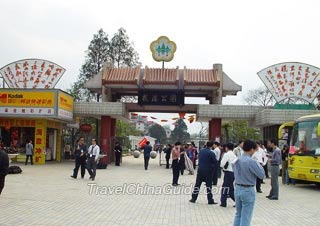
x: 245, y: 36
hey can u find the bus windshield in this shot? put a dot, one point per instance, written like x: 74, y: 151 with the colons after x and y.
x: 305, y: 140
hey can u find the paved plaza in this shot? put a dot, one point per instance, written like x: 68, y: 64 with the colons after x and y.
x: 130, y: 195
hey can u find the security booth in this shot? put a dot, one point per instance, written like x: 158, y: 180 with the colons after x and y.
x: 37, y: 115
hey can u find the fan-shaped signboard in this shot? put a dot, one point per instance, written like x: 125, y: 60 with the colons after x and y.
x: 32, y: 73
x: 292, y: 79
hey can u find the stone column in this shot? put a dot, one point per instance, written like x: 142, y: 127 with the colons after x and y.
x: 106, y: 92
x: 106, y: 136
x: 215, y: 129
x: 217, y: 94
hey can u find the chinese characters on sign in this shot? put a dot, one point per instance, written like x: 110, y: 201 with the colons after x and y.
x: 292, y: 79
x: 40, y: 138
x: 160, y: 98
x: 32, y: 73
x: 65, y: 105
x: 27, y: 99
x: 27, y: 103
x: 26, y: 111
x: 18, y: 122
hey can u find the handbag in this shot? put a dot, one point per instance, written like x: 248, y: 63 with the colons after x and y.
x: 226, y: 165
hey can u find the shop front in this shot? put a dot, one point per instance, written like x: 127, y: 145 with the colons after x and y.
x: 37, y: 115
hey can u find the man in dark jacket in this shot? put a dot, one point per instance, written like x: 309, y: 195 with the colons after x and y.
x: 4, y: 167
x: 146, y: 152
x: 168, y: 153
x: 80, y: 155
x: 207, y: 163
x: 118, y: 153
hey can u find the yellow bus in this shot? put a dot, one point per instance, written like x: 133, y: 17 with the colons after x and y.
x: 304, y: 152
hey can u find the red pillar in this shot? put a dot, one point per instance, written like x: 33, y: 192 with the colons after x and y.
x: 215, y: 129
x: 105, y: 136
x: 209, y: 130
x: 113, y: 138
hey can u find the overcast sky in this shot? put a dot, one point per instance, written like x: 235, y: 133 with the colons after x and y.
x: 245, y: 36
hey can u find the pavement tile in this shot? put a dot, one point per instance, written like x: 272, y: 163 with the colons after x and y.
x: 46, y: 195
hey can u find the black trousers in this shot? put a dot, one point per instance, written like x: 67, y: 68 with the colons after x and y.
x: 92, y: 167
x: 146, y: 162
x: 2, y: 179
x: 118, y: 157
x: 182, y: 164
x: 215, y: 175
x: 167, y: 160
x: 31, y: 159
x: 203, y: 176
x: 258, y: 184
x: 265, y: 167
x: 227, y: 187
x: 175, y: 171
x: 80, y: 161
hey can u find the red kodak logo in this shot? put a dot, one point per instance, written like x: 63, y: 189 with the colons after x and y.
x: 3, y: 98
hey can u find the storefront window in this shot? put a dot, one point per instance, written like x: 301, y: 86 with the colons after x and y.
x: 16, y: 138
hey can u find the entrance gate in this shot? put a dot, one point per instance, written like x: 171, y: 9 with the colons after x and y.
x: 158, y: 90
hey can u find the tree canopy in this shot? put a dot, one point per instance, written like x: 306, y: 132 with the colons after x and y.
x: 158, y: 132
x: 124, y: 129
x: 118, y: 51
x: 260, y: 96
x: 263, y: 97
x: 180, y: 132
x: 235, y: 130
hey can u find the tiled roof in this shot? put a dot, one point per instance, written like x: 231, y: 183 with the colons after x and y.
x: 200, y: 77
x: 160, y: 76
x: 121, y: 75
x: 154, y: 76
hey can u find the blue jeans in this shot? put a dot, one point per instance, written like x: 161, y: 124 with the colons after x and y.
x: 287, y: 177
x: 245, y: 198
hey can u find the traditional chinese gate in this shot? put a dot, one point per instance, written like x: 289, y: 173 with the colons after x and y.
x: 159, y: 90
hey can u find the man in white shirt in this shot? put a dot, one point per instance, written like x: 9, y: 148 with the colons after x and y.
x: 261, y: 158
x: 238, y: 151
x: 93, y: 155
x: 216, y: 150
x: 226, y: 165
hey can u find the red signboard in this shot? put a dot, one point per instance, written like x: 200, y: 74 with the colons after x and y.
x: 86, y: 128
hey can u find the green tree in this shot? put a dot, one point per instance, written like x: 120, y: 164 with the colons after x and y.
x: 235, y: 130
x: 96, y: 55
x: 125, y: 129
x: 158, y: 132
x: 180, y: 132
x: 121, y: 51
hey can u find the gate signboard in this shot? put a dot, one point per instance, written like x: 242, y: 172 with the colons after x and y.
x: 160, y: 97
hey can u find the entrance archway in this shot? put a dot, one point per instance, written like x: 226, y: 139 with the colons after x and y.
x: 157, y: 90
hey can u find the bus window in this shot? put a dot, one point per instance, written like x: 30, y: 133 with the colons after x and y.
x: 305, y: 138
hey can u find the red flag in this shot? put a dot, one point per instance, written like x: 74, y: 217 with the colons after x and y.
x: 142, y: 142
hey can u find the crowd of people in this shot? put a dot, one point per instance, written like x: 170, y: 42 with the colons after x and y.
x: 244, y: 169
